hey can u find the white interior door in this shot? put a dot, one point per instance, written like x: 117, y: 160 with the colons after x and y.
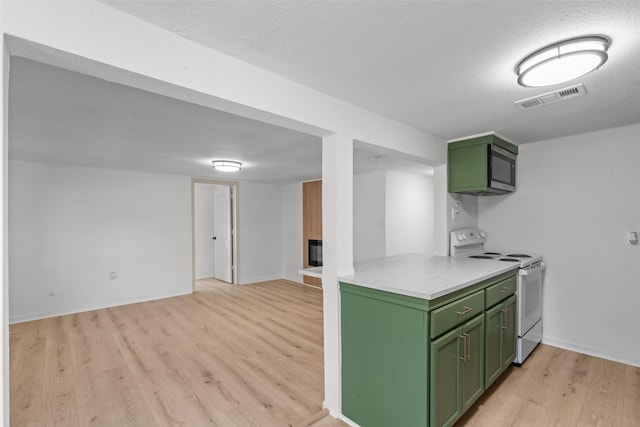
x: 222, y: 237
x: 204, y: 230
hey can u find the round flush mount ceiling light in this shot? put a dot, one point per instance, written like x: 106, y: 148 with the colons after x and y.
x: 563, y: 61
x: 226, y: 165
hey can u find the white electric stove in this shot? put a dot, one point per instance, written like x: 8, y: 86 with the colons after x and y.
x: 469, y: 242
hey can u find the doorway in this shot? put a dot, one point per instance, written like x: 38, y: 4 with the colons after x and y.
x: 214, y: 230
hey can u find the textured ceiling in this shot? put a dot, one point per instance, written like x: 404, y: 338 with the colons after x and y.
x: 444, y: 67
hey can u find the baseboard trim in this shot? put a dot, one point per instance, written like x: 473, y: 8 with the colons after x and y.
x: 568, y: 345
x: 91, y: 307
x: 293, y: 277
x: 348, y: 421
x: 252, y: 280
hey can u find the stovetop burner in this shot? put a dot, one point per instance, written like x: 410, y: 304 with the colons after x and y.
x: 470, y: 243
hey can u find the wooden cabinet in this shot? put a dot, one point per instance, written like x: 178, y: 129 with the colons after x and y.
x: 500, y: 338
x: 457, y: 372
x: 311, y: 223
x: 408, y: 361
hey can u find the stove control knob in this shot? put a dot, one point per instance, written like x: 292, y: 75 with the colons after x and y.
x: 483, y: 234
x: 460, y: 236
x: 464, y: 237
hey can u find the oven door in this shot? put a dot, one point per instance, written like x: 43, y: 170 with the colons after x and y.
x: 502, y: 169
x: 529, y: 298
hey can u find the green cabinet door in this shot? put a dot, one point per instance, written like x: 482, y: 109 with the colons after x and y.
x: 446, y: 381
x: 509, y: 333
x: 493, y: 354
x: 457, y: 372
x: 472, y: 361
x: 500, y: 338
x: 468, y: 168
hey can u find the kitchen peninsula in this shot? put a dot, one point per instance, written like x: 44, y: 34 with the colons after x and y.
x: 423, y: 337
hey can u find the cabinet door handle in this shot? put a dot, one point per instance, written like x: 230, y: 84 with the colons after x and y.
x: 505, y: 324
x: 468, y: 341
x: 465, y: 311
x: 504, y: 289
x: 464, y: 347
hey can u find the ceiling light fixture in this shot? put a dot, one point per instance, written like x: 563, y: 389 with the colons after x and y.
x: 563, y: 61
x: 227, y: 165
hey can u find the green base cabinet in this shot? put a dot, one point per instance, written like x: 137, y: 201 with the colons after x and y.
x: 413, y: 362
x: 384, y: 360
x: 500, y: 338
x: 457, y: 372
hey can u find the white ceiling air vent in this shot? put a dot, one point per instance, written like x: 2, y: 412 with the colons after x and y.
x: 552, y: 97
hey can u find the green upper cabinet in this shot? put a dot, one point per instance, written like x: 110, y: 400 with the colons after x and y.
x: 481, y: 166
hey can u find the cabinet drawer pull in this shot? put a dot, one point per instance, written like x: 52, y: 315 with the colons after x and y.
x: 504, y: 289
x: 465, y: 311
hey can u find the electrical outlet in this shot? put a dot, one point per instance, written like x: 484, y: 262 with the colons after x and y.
x: 633, y: 237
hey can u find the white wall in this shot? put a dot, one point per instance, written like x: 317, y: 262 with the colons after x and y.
x: 204, y: 245
x: 393, y: 213
x: 444, y: 221
x: 70, y: 227
x: 369, y: 215
x: 467, y: 212
x: 409, y: 209
x: 259, y: 232
x: 576, y: 200
x: 292, y: 231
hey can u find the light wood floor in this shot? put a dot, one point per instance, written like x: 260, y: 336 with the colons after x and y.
x: 252, y: 356
x: 224, y: 356
x: 556, y: 387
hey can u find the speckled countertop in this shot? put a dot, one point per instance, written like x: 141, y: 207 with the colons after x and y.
x: 424, y: 276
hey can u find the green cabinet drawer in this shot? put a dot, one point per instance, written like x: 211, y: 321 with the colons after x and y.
x: 501, y: 290
x: 456, y: 313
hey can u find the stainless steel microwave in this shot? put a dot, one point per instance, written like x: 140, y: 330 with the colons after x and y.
x: 501, y: 169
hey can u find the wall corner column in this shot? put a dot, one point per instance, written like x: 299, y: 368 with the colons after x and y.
x: 4, y: 298
x: 441, y: 211
x: 337, y: 247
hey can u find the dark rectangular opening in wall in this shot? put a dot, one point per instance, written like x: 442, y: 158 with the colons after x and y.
x: 315, y: 253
